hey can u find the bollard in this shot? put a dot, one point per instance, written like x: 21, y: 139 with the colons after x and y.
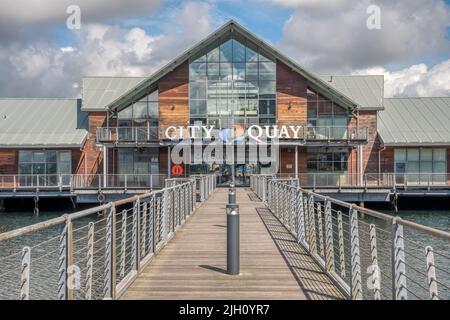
x: 232, y: 195
x: 233, y: 241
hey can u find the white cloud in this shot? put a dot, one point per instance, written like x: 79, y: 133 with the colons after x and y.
x: 45, y: 70
x: 416, y: 80
x: 29, y: 12
x: 311, y: 3
x: 339, y: 41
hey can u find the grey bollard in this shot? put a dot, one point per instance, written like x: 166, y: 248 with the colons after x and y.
x: 231, y: 196
x: 233, y: 243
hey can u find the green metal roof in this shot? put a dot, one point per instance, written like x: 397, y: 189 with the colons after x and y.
x: 415, y: 121
x: 366, y: 90
x: 231, y: 28
x: 46, y: 123
x: 98, y: 92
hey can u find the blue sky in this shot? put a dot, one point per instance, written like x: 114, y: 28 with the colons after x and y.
x: 136, y: 37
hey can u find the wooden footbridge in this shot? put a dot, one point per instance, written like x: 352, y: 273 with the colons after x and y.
x: 171, y: 244
x: 193, y: 264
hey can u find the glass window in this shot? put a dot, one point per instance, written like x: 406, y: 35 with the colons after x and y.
x: 400, y: 155
x: 39, y: 156
x: 213, y: 71
x: 51, y: 156
x: 238, y: 51
x: 198, y: 90
x: 226, y: 51
x: 252, y: 71
x: 25, y: 156
x: 413, y: 154
x: 238, y: 71
x: 250, y: 55
x: 198, y: 107
x: 439, y: 155
x: 267, y: 107
x: 226, y: 71
x: 126, y: 113
x: 25, y: 168
x: 267, y: 70
x: 197, y: 71
x: 213, y: 55
x: 267, y: 90
x: 212, y: 107
x: 140, y: 111
x: 228, y: 78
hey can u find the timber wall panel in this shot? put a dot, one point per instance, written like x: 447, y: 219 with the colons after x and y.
x: 9, y: 162
x: 174, y: 97
x: 291, y: 97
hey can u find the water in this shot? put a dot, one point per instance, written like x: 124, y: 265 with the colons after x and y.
x: 45, y: 257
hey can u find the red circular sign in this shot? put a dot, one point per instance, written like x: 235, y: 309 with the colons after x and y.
x: 177, y: 170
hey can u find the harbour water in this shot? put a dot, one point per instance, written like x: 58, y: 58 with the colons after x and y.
x: 414, y: 247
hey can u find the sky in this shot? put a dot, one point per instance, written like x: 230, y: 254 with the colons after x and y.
x: 41, y: 57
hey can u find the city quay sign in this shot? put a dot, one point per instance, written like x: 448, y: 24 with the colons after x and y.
x: 236, y: 134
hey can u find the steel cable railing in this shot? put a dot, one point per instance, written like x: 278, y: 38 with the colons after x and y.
x: 96, y: 253
x: 368, y: 254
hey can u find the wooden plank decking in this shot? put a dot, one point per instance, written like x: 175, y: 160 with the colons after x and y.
x: 193, y: 264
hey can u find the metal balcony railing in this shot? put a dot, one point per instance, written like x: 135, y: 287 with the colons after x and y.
x: 127, y: 134
x: 71, y: 182
x: 335, y: 133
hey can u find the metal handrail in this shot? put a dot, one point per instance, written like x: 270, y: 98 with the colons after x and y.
x: 319, y: 222
x: 98, y: 260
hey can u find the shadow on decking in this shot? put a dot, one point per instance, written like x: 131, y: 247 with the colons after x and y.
x: 312, y: 280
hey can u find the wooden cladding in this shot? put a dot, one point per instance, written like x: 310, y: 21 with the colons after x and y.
x: 9, y: 162
x: 291, y: 97
x: 174, y: 97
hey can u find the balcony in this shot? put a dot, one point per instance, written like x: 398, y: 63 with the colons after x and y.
x: 127, y: 135
x: 144, y: 135
x: 335, y: 133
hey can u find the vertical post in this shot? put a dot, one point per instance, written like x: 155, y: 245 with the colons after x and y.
x: 110, y: 256
x: 136, y: 235
x: 123, y: 243
x: 296, y: 162
x: 165, y: 214
x: 312, y: 225
x: 65, y: 290
x: 105, y: 165
x: 89, y: 261
x: 341, y: 244
x: 356, y: 288
x: 15, y: 183
x: 169, y: 163
x: 329, y: 252
x: 431, y: 273
x: 143, y: 228
x: 25, y: 274
x: 300, y: 218
x: 398, y: 263
x: 376, y: 281
x: 320, y: 226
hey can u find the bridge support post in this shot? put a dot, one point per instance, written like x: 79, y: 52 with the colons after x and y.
x: 233, y: 234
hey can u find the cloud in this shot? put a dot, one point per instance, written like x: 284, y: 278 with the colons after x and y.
x: 311, y: 4
x: 44, y: 69
x: 340, y: 42
x: 31, y: 12
x: 416, y: 80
